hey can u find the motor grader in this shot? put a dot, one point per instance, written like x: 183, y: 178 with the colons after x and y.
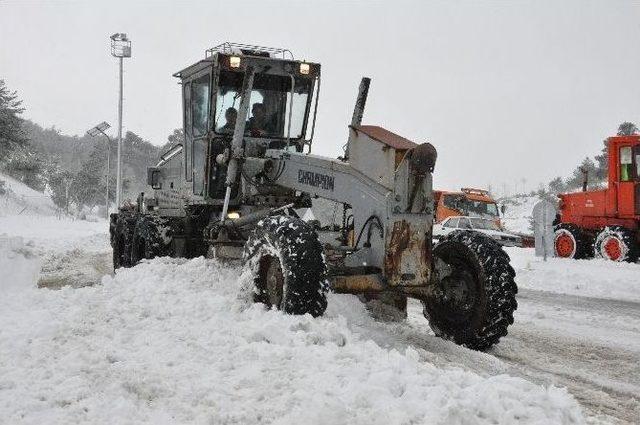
x: 235, y: 189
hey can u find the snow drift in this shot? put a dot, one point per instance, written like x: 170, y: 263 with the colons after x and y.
x: 171, y: 341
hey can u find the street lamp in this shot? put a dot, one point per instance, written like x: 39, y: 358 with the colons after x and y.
x: 120, y: 48
x: 93, y: 132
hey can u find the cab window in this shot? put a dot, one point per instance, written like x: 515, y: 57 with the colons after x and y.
x: 452, y: 222
x: 200, y: 105
x: 464, y: 224
x: 270, y: 105
x: 626, y: 164
x: 636, y: 155
x: 188, y: 136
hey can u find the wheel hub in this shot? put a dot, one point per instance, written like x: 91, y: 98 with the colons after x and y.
x: 565, y: 245
x: 613, y: 249
x: 274, y: 279
x: 457, y: 290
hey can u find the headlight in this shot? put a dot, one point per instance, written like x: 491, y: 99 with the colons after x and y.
x: 304, y: 68
x: 234, y: 62
x: 233, y: 215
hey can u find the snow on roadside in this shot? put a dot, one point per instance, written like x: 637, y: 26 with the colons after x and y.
x: 19, y: 198
x: 588, y: 278
x: 68, y: 252
x: 518, y: 211
x: 170, y: 341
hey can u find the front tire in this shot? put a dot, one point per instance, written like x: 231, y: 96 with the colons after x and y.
x: 616, y: 243
x: 151, y: 238
x: 286, y: 261
x: 121, y: 229
x: 475, y: 297
x: 570, y: 241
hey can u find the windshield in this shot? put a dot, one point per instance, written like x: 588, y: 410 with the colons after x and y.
x: 482, y: 223
x: 471, y: 207
x: 268, y: 114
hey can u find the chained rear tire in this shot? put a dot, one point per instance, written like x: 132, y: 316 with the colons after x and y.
x: 475, y: 297
x: 151, y: 238
x: 617, y: 243
x: 286, y: 261
x: 570, y: 241
x: 121, y: 227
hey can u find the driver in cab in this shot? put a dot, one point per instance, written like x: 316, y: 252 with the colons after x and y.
x: 257, y: 124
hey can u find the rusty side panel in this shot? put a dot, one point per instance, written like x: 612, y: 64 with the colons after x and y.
x: 357, y: 284
x: 407, y: 260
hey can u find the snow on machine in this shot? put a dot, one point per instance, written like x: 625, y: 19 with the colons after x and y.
x: 232, y: 190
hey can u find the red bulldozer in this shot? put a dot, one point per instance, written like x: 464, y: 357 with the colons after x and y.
x: 605, y: 223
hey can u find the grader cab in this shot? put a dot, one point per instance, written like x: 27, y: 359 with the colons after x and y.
x: 235, y: 188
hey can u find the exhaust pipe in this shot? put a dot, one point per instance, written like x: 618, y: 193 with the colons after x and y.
x: 358, y: 109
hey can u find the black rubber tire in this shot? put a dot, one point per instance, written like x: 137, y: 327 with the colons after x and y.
x: 583, y: 241
x: 121, y: 227
x: 627, y: 239
x: 492, y: 300
x: 151, y: 238
x: 294, y: 245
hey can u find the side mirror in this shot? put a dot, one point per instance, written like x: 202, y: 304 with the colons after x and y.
x: 154, y: 178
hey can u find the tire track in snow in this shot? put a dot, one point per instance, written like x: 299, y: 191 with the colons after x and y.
x: 545, y: 347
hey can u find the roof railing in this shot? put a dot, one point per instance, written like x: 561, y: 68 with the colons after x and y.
x: 247, y: 49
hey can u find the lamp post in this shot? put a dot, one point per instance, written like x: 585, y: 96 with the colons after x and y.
x: 120, y: 48
x: 99, y: 129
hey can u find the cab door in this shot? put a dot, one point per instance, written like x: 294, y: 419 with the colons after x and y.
x: 636, y: 160
x: 200, y: 110
x: 627, y: 181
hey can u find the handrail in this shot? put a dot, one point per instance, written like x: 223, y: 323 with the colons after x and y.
x: 228, y: 48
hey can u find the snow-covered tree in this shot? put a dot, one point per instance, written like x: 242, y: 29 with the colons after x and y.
x: 557, y: 185
x: 11, y: 133
x: 88, y: 186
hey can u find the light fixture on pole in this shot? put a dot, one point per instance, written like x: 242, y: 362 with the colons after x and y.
x: 120, y: 48
x: 93, y: 132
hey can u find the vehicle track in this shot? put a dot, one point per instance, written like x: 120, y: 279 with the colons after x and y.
x: 604, y: 377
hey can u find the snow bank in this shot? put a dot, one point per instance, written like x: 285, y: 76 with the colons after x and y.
x: 589, y: 278
x: 21, y: 199
x: 51, y: 233
x: 170, y: 341
x: 18, y: 268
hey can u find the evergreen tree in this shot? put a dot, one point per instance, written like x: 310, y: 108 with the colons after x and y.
x: 627, y: 129
x: 557, y: 185
x: 11, y: 134
x: 576, y: 179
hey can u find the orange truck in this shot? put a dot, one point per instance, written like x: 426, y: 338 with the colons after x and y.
x: 605, y: 222
x: 468, y: 202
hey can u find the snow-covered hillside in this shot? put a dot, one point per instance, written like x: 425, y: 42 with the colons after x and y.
x: 21, y: 199
x: 517, y: 213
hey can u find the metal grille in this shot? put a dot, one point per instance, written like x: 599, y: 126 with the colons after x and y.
x: 248, y: 49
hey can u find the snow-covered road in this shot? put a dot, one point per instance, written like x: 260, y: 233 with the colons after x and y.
x: 170, y: 341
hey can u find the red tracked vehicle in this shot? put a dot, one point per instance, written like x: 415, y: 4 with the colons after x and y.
x: 605, y: 222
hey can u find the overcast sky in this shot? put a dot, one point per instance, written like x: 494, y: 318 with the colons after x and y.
x: 504, y: 90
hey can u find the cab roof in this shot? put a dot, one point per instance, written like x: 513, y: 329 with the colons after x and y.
x: 236, y: 49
